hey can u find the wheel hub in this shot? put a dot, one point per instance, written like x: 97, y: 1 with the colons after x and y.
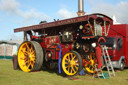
x: 72, y: 63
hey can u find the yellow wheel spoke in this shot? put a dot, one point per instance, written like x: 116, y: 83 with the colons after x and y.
x: 24, y: 51
x: 68, y: 69
x: 32, y: 64
x: 26, y: 62
x: 73, y: 57
x: 92, y: 68
x: 66, y: 62
x: 76, y: 67
x: 32, y: 52
x: 69, y: 58
x: 32, y: 58
x: 67, y: 66
x: 73, y: 69
x: 30, y: 49
x: 27, y: 46
x: 66, y: 59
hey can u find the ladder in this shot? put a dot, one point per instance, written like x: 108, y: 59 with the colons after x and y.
x: 108, y: 61
x: 98, y: 73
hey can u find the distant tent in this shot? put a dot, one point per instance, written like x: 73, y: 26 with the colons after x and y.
x: 7, y: 49
x: 114, y: 20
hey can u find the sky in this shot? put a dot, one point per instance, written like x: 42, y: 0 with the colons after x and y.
x: 20, y: 13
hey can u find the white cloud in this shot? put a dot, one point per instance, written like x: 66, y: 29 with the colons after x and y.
x: 30, y: 16
x: 64, y: 14
x: 12, y: 7
x: 94, y: 2
x: 17, y: 36
x: 119, y: 10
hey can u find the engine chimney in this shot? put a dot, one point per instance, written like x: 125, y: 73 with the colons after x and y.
x: 80, y: 8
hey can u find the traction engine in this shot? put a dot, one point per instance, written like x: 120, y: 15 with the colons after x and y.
x: 67, y: 44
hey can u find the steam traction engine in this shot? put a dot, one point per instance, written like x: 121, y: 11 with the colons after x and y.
x: 69, y: 43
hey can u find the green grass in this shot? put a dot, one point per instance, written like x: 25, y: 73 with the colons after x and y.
x: 8, y: 76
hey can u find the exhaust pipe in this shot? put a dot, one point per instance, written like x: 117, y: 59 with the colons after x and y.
x: 80, y: 8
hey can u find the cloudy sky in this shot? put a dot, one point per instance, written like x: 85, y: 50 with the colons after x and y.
x: 19, y: 13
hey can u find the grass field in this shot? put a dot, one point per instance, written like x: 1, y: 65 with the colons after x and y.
x: 8, y: 76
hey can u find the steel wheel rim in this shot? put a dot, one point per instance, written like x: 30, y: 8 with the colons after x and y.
x: 70, y: 63
x: 90, y: 65
x: 26, y: 56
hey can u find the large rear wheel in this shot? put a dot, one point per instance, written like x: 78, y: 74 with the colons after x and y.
x: 30, y: 56
x: 71, y: 63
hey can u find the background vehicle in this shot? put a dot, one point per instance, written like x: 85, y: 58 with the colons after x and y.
x: 118, y: 52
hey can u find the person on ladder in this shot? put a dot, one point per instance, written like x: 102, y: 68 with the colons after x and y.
x: 98, y: 55
x: 98, y: 51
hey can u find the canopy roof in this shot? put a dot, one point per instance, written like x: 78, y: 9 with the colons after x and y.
x: 95, y: 16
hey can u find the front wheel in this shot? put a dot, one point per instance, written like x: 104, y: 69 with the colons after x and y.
x: 72, y: 63
x: 122, y: 65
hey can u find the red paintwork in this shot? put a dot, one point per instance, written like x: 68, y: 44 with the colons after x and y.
x: 66, y: 48
x: 35, y: 37
x: 119, y: 31
x: 55, y: 50
x: 52, y: 40
x: 98, y: 55
x: 43, y: 43
x: 55, y: 53
x: 101, y: 39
